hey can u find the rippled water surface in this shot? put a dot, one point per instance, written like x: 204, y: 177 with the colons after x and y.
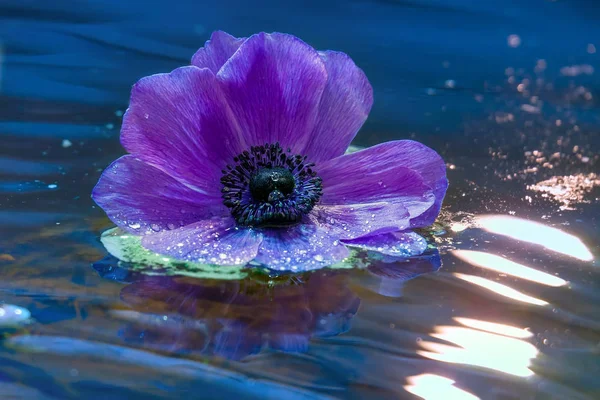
x: 506, y: 305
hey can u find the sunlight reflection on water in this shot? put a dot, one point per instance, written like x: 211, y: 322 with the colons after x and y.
x: 435, y: 387
x: 501, y: 329
x: 502, y: 265
x: 533, y: 232
x: 484, y: 349
x: 500, y: 289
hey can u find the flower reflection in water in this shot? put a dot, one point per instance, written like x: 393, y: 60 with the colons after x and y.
x: 388, y: 274
x: 237, y: 318
x: 234, y: 319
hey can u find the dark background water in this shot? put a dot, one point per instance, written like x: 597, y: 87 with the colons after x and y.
x: 507, y: 91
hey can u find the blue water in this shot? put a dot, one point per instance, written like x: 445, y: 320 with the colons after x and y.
x: 507, y: 91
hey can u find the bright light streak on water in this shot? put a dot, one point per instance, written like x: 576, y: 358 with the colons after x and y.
x: 502, y: 290
x: 505, y: 354
x: 533, y: 232
x: 493, y: 327
x: 435, y: 387
x: 13, y: 316
x: 502, y: 265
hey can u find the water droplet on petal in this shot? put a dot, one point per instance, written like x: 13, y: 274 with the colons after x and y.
x: 319, y: 258
x: 134, y: 225
x: 155, y: 227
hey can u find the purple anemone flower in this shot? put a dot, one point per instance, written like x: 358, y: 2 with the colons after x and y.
x: 241, y: 156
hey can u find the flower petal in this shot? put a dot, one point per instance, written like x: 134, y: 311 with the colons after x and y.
x: 216, y: 51
x: 400, y: 171
x: 301, y: 247
x: 399, y: 244
x: 344, y: 107
x: 274, y: 83
x: 142, y: 199
x: 181, y: 124
x: 432, y: 169
x: 212, y: 241
x: 351, y: 221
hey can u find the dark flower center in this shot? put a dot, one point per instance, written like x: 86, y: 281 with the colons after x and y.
x: 268, y: 186
x: 271, y: 184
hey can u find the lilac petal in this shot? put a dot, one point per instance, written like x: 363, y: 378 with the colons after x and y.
x: 300, y: 247
x: 181, y: 124
x: 351, y: 221
x: 400, y: 171
x: 274, y: 83
x: 216, y: 51
x: 142, y: 199
x: 432, y: 169
x: 399, y: 244
x: 344, y: 107
x: 212, y: 241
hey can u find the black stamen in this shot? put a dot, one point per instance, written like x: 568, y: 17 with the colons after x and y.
x: 267, y: 180
x: 267, y: 186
